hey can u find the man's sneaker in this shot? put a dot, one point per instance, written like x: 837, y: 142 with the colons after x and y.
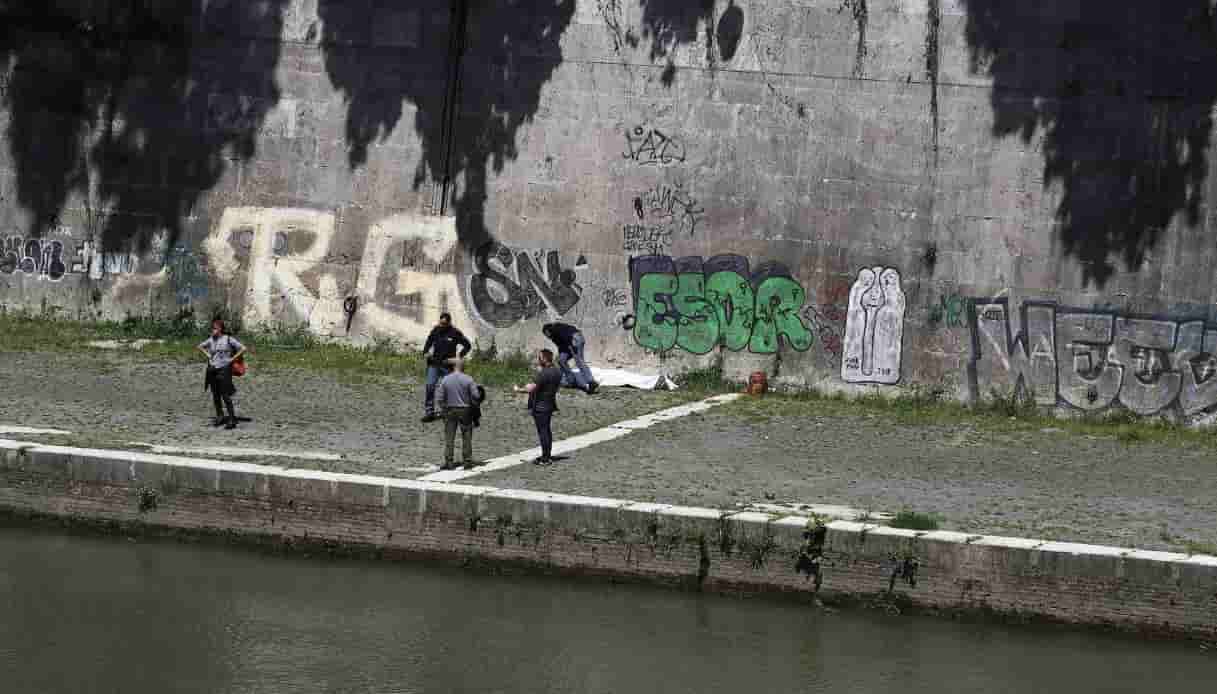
x: 592, y: 388
x: 448, y: 466
x: 219, y: 421
x: 470, y: 465
x: 542, y: 461
x: 232, y: 423
x: 428, y: 418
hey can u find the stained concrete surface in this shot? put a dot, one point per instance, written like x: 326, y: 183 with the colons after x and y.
x: 112, y: 399
x: 1046, y: 484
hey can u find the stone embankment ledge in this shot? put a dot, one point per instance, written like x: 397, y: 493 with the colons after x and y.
x: 702, y: 548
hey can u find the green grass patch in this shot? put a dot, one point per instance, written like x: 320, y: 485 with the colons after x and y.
x: 913, y: 520
x: 269, y: 348
x: 708, y: 381
x: 932, y: 407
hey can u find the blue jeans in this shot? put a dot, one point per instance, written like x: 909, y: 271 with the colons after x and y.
x: 581, y: 378
x: 434, y: 374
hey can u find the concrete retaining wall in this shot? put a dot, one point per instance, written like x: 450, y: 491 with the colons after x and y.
x: 854, y: 194
x: 1150, y: 591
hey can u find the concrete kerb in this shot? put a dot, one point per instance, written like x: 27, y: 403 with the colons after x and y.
x: 757, y: 537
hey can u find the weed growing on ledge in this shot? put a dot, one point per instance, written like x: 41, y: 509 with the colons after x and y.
x: 913, y: 520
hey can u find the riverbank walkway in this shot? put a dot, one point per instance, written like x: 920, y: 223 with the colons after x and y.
x: 682, y: 448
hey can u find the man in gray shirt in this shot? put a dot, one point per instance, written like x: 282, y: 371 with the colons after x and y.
x: 456, y: 396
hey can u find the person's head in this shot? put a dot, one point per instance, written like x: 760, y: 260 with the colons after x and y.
x: 547, y: 330
x: 445, y: 320
x: 217, y: 327
x: 457, y: 364
x: 545, y: 357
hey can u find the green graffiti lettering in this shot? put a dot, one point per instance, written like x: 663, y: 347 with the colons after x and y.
x: 698, y: 331
x: 655, y: 327
x: 696, y: 312
x: 778, y: 301
x: 732, y: 298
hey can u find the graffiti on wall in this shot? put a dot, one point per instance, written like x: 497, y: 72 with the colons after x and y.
x: 510, y: 286
x: 279, y: 261
x: 874, y: 328
x: 49, y: 259
x: 42, y: 258
x: 1092, y: 359
x: 662, y: 213
x: 651, y: 147
x: 948, y: 312
x: 697, y: 304
x: 185, y: 274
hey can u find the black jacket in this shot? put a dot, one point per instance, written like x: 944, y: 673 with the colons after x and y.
x: 561, y: 334
x: 443, y: 343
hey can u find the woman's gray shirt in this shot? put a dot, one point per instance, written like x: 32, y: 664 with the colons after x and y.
x: 221, y: 350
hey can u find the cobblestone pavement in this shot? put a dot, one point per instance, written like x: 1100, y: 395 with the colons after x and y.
x: 1047, y: 484
x: 111, y: 399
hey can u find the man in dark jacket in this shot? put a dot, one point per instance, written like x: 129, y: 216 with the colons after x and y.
x: 441, y: 346
x: 543, y: 402
x: 569, y: 341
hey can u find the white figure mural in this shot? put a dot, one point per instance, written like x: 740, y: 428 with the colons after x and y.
x: 874, y: 328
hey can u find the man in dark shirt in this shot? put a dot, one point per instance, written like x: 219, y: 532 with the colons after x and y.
x: 570, y: 341
x: 441, y: 346
x: 543, y: 402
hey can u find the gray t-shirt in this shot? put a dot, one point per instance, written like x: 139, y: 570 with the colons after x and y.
x: 221, y: 349
x: 456, y: 389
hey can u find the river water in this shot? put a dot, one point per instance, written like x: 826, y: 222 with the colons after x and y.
x: 96, y: 614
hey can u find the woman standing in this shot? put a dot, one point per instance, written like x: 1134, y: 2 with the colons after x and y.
x: 221, y: 350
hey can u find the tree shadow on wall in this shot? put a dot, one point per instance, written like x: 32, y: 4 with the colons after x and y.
x: 1123, y: 93
x: 510, y: 51
x: 139, y: 106
x: 671, y: 23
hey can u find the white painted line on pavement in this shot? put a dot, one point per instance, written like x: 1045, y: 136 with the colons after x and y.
x: 13, y: 429
x: 574, y: 443
x: 830, y: 510
x: 231, y: 452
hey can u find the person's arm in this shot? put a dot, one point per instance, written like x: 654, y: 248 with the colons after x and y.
x: 240, y: 348
x: 202, y: 347
x: 464, y: 343
x: 430, y: 341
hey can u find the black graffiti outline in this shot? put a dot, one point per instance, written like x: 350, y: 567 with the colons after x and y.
x: 529, y: 293
x: 39, y: 257
x: 671, y: 203
x: 1195, y: 371
x: 655, y: 145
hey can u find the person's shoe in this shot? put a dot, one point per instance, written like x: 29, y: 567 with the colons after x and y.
x: 232, y: 423
x: 448, y: 466
x: 469, y: 465
x: 592, y: 388
x: 428, y: 418
x: 542, y: 461
x: 219, y: 421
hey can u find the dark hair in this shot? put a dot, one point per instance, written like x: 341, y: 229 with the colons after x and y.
x: 446, y: 316
x: 223, y: 328
x: 547, y: 356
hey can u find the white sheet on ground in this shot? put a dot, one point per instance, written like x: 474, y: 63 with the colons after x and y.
x: 620, y: 377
